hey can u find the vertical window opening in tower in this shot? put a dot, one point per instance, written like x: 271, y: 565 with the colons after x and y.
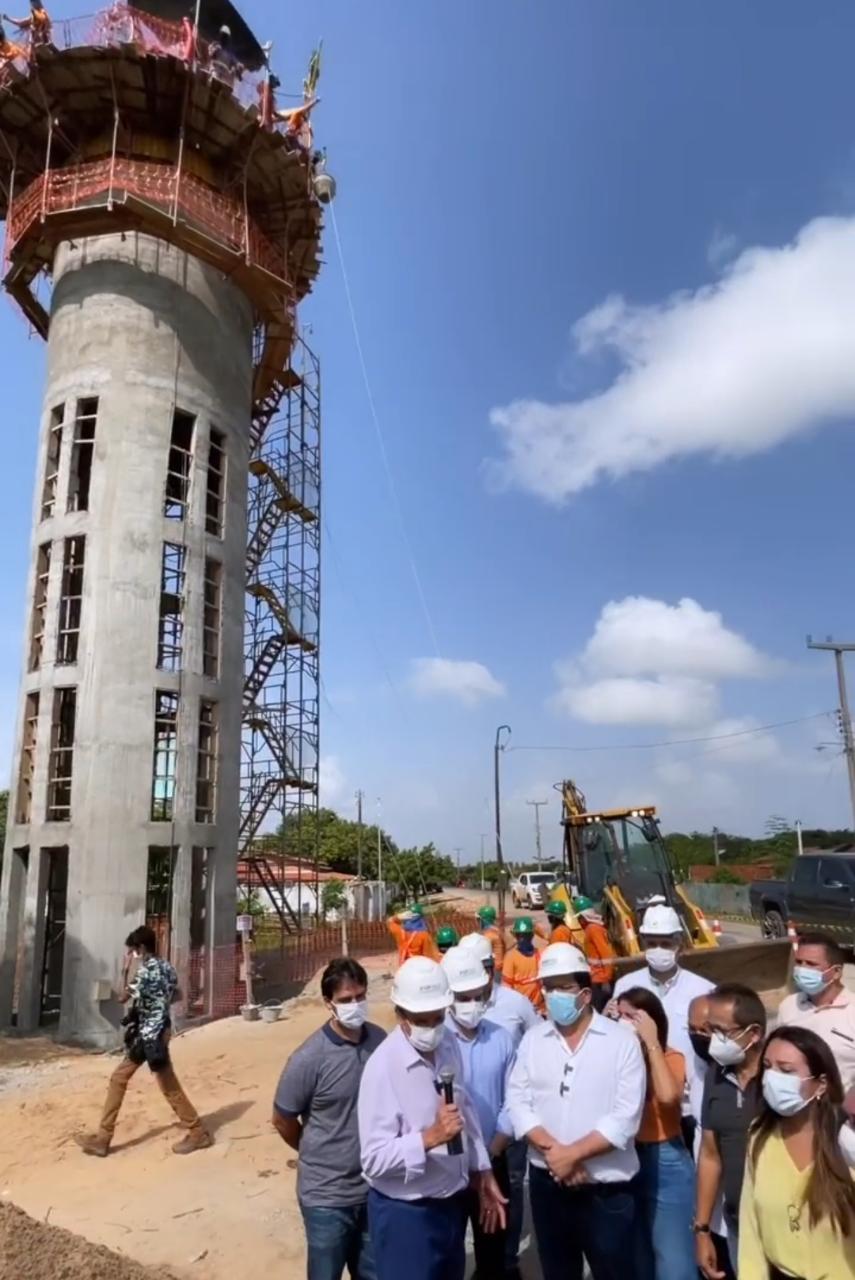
x: 24, y: 798
x: 82, y: 452
x: 70, y: 600
x: 179, y: 466
x: 61, y: 762
x: 165, y: 756
x: 206, y: 765
x: 54, y: 450
x: 212, y: 621
x: 158, y: 893
x: 200, y: 883
x: 216, y: 485
x: 40, y: 593
x: 170, y: 636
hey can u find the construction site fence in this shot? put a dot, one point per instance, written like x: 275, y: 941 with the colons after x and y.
x: 122, y: 24
x: 722, y: 899
x: 212, y: 982
x: 167, y: 188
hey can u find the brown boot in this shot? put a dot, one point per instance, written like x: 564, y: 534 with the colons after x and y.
x: 196, y: 1139
x: 93, y: 1144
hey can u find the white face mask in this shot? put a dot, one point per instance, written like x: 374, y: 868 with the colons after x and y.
x: 468, y: 1012
x: 783, y: 1092
x: 351, y: 1015
x: 425, y: 1039
x: 660, y: 959
x: 725, y: 1051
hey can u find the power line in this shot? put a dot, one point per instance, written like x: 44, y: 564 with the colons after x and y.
x: 679, y: 742
x: 380, y: 441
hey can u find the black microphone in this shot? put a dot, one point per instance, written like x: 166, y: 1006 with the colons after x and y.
x: 446, y: 1079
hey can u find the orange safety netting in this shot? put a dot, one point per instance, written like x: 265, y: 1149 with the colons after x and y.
x: 166, y: 188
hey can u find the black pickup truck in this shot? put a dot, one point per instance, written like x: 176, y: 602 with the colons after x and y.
x: 819, y: 894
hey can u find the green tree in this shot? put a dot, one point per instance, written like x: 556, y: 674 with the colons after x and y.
x: 333, y: 897
x: 724, y: 875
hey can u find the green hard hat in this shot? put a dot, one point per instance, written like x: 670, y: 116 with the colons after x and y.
x: 523, y: 925
x: 581, y: 904
x: 447, y: 937
x: 487, y: 915
x: 416, y: 908
x: 556, y: 908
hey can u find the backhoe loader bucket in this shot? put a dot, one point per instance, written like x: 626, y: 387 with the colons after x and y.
x: 764, y: 966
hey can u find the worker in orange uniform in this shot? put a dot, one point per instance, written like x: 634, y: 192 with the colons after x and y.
x: 38, y: 24
x: 559, y: 929
x: 599, y: 950
x: 487, y: 923
x: 519, y: 971
x: 411, y: 934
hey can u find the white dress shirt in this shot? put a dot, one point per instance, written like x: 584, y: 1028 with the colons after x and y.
x: 598, y: 1086
x: 676, y: 996
x: 516, y: 1013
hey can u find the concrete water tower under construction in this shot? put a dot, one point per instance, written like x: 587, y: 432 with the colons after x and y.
x: 163, y: 221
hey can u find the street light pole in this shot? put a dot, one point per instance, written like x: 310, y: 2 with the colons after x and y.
x: 715, y: 844
x: 500, y: 861
x: 537, y: 805
x: 483, y: 838
x: 838, y: 650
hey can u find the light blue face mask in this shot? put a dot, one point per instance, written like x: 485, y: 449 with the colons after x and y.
x: 810, y: 981
x: 563, y: 1007
x: 783, y: 1092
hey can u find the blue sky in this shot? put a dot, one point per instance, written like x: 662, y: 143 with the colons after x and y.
x: 503, y: 171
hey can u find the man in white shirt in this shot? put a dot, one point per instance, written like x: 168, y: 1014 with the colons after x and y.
x: 508, y: 1009
x: 821, y: 1002
x: 576, y: 1094
x: 662, y: 937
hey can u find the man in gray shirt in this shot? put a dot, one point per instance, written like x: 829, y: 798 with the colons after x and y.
x: 314, y: 1111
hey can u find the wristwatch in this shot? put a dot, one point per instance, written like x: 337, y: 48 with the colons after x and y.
x: 701, y: 1228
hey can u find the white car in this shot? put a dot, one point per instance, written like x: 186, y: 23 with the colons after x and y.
x: 532, y: 889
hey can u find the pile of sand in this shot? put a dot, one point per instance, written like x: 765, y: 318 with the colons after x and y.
x: 39, y: 1252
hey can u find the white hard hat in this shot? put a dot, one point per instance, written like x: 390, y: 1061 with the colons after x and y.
x: 464, y: 970
x: 660, y: 922
x: 421, y: 986
x: 560, y: 958
x: 478, y: 945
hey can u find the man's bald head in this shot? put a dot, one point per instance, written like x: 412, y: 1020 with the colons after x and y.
x: 699, y: 1014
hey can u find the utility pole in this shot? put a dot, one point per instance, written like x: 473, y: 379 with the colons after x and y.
x: 715, y: 845
x: 457, y: 854
x: 380, y: 861
x: 500, y: 861
x: 838, y: 649
x: 359, y: 798
x: 483, y: 838
x: 537, y: 805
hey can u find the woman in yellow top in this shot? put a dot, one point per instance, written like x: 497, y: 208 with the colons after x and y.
x: 797, y: 1214
x: 664, y: 1246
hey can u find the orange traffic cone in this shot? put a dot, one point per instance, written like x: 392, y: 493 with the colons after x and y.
x: 716, y: 928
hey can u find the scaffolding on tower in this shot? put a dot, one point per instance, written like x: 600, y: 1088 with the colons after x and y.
x: 280, y: 743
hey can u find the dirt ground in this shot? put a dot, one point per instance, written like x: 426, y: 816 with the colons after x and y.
x: 205, y: 1216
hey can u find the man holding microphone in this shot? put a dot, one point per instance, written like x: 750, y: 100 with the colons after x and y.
x: 420, y: 1138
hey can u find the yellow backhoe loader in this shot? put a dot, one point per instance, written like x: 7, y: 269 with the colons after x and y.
x: 618, y: 858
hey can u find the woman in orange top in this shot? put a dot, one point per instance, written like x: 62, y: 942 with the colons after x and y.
x: 519, y: 971
x: 411, y: 935
x: 665, y: 1246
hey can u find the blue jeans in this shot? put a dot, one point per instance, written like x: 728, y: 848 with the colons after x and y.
x: 338, y: 1238
x: 665, y: 1246
x: 418, y: 1239
x: 594, y: 1222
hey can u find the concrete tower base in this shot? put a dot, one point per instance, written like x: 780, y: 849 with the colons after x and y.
x: 105, y: 831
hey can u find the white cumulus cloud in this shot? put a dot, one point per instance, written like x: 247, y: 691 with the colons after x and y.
x: 653, y: 663
x: 468, y: 682
x: 765, y: 353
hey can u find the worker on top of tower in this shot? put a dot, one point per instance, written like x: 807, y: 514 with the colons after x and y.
x: 38, y: 24
x: 224, y: 62
x: 9, y: 51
